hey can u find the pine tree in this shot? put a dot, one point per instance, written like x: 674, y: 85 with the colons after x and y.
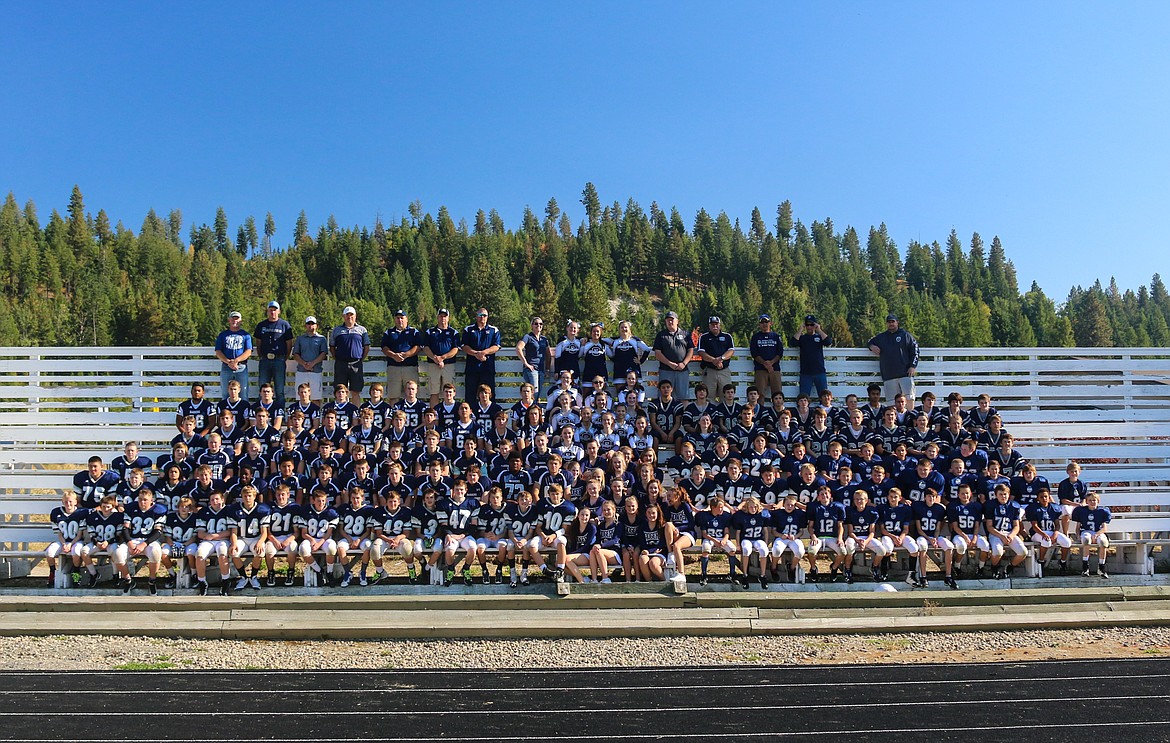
x: 592, y: 204
x: 221, y: 231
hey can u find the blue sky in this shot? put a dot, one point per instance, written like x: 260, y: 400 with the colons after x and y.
x: 1044, y: 124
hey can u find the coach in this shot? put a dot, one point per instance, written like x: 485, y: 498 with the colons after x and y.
x: 480, y: 344
x: 715, y: 351
x: 442, y: 344
x: 233, y: 348
x: 812, y: 342
x: 400, y: 345
x: 349, y: 343
x: 766, y: 348
x: 897, y: 353
x: 674, y: 349
x: 274, y: 338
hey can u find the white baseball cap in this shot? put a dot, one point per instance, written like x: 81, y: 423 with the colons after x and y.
x: 349, y: 311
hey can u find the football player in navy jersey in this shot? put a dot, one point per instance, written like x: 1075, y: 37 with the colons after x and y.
x: 69, y: 529
x: 356, y: 521
x: 771, y: 489
x: 929, y: 517
x: 1092, y: 521
x: 287, y: 476
x: 231, y: 434
x: 130, y: 459
x: 144, y: 522
x: 1027, y: 486
x: 263, y: 431
x: 915, y: 483
x: 826, y: 530
x: 523, y: 534
x: 240, y: 407
x: 787, y: 524
x: 957, y: 476
x: 282, y: 535
x: 317, y: 524
x: 1002, y: 521
x: 805, y: 484
x: 392, y: 532
x: 215, y: 457
x: 304, y: 405
x: 894, y: 530
x: 181, y: 542
x: 715, y: 531
x: 377, y: 405
x: 198, y: 407
x: 213, y: 528
x: 751, y: 525
x: 456, y: 513
x: 103, y: 529
x: 491, y: 522
x: 250, y: 522
x: 734, y: 486
x: 984, y: 489
x: 127, y: 490
x: 580, y: 538
x: 1071, y: 492
x: 965, y: 519
x: 94, y: 483
x: 861, y: 521
x: 555, y: 514
x: 828, y: 464
x: 1044, y: 522
x: 844, y: 486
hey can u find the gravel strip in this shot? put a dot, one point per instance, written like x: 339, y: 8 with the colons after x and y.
x: 133, y: 653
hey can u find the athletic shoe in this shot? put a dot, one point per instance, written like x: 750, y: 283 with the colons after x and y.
x: 254, y: 582
x: 202, y: 586
x: 523, y: 579
x: 242, y: 583
x: 911, y: 579
x: 744, y: 581
x: 559, y: 575
x: 225, y: 588
x: 127, y: 584
x: 467, y: 576
x: 379, y: 576
x: 833, y: 572
x: 288, y: 579
x: 702, y: 581
x: 411, y: 574
x: 1085, y: 572
x: 345, y: 579
x: 849, y: 577
x: 763, y: 582
x: 362, y: 580
x: 812, y: 575
x: 498, y: 578
x: 1001, y: 574
x: 606, y: 579
x: 980, y: 573
x: 877, y: 576
x: 1102, y: 572
x: 270, y: 581
x: 1010, y: 568
x: 923, y: 583
x: 91, y: 581
x: 949, y: 581
x: 485, y: 578
x: 1064, y: 567
x: 150, y: 586
x: 587, y: 579
x: 514, y: 581
x: 52, y: 580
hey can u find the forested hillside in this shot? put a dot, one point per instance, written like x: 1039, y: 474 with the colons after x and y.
x: 77, y: 279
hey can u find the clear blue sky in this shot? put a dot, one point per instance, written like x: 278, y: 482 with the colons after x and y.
x: 1045, y: 124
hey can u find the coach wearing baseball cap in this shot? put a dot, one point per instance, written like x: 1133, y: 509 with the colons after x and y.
x: 674, y: 349
x: 716, y: 348
x: 350, y: 343
x: 812, y: 342
x: 400, y: 345
x: 309, y: 351
x: 766, y: 348
x: 233, y: 348
x: 897, y: 353
x: 274, y: 339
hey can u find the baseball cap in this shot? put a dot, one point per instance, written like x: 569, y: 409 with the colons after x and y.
x: 235, y: 316
x: 673, y: 314
x: 310, y: 319
x: 349, y: 311
x: 713, y: 318
x: 444, y: 311
x: 400, y: 313
x: 765, y: 318
x: 810, y: 318
x: 481, y: 313
x: 274, y: 305
x: 891, y: 317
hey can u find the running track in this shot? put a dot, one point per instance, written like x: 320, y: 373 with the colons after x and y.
x: 1116, y: 700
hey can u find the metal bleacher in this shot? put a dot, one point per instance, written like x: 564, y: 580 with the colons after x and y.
x: 1106, y: 408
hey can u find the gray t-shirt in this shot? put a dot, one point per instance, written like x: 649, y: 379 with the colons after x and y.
x: 310, y: 347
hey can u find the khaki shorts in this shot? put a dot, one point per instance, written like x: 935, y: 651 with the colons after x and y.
x: 715, y: 379
x: 437, y: 377
x: 396, y: 378
x: 313, y: 379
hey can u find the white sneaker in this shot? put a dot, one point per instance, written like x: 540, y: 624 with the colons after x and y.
x: 345, y: 581
x: 242, y: 583
x: 254, y: 582
x: 587, y: 579
x: 606, y: 580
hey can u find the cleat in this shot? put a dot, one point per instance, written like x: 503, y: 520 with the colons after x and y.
x: 812, y: 575
x: 127, y: 584
x: 270, y: 581
x: 513, y: 582
x: 363, y: 580
x: 467, y: 576
x: 877, y: 576
x: 949, y: 582
x: 523, y: 579
x: 485, y: 578
x: 498, y: 578
x: 1064, y: 567
x: 703, y: 581
x: 911, y: 579
x: 1102, y: 572
x: 559, y: 575
x: 379, y: 576
x: 254, y: 582
x: 225, y: 588
x: 288, y: 579
x: 744, y: 582
x: 345, y: 579
x: 411, y: 574
x: 1000, y: 574
x: 849, y: 577
x: 1010, y: 568
x: 202, y: 586
x: 833, y: 574
x: 150, y: 586
x: 924, y: 583
x: 1085, y: 572
x: 607, y: 579
x: 91, y: 581
x: 242, y: 583
x: 763, y: 582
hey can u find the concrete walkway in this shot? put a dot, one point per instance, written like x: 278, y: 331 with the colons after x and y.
x: 587, y: 611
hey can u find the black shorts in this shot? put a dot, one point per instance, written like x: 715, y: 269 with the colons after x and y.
x: 349, y: 373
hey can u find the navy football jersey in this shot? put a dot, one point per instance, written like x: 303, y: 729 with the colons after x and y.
x: 1091, y: 519
x: 714, y: 527
x: 735, y: 491
x: 214, y: 522
x: 424, y: 521
x: 489, y: 520
x: 927, y: 519
x: 317, y: 524
x: 896, y: 519
x: 1073, y: 492
x: 914, y: 487
x: 1046, y: 518
x: 554, y: 518
x: 144, y: 524
x: 456, y: 517
x: 355, y: 522
x: 68, y: 526
x: 788, y: 524
x: 249, y: 523
x: 861, y: 520
x: 103, y: 528
x: 967, y: 517
x: 1024, y: 492
x: 824, y: 519
x: 90, y: 492
x: 282, y: 519
x: 699, y: 494
x: 202, y: 410
x: 1003, y: 516
x: 181, y: 530
x: 524, y: 522
x: 751, y: 525
x: 396, y: 523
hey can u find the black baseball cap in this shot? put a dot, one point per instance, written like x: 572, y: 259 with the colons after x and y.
x: 812, y: 319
